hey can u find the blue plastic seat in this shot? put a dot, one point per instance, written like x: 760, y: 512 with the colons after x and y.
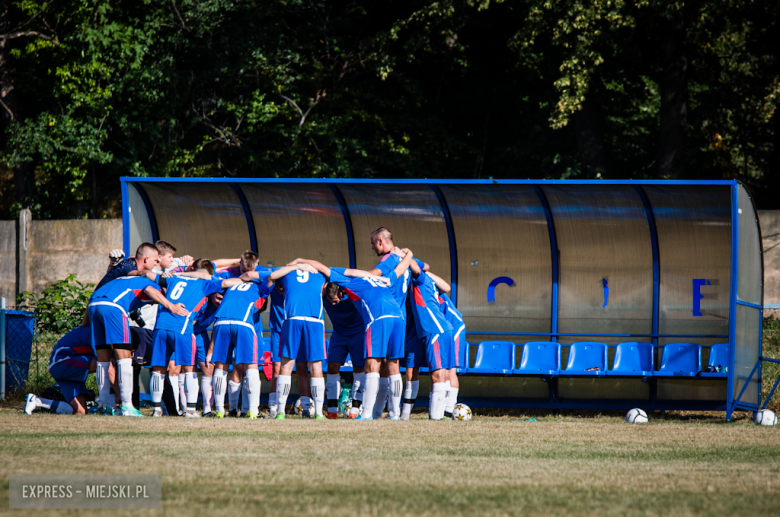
x: 585, y: 355
x: 719, y: 357
x: 540, y: 358
x: 680, y: 360
x: 494, y: 357
x: 633, y: 359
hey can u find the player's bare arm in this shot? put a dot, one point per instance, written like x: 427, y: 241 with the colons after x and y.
x: 359, y: 273
x: 158, y: 297
x: 405, y: 263
x: 226, y: 262
x: 441, y: 285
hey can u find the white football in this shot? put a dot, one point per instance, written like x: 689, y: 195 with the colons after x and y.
x: 299, y: 405
x: 765, y: 417
x: 461, y: 412
x: 636, y: 416
x: 346, y: 410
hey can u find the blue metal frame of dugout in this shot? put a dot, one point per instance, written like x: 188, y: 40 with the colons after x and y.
x: 336, y: 185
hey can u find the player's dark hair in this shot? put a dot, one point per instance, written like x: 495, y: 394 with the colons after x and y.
x: 165, y: 248
x: 145, y: 249
x: 331, y: 291
x: 386, y: 234
x: 203, y: 263
x: 249, y: 260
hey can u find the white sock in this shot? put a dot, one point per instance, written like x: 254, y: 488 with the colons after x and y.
x: 156, y: 388
x: 191, y: 385
x: 358, y: 386
x: 244, y: 396
x: 174, y: 380
x: 451, y: 399
x: 410, y: 394
x: 252, y: 381
x: 104, y: 385
x: 234, y: 390
x: 206, y: 389
x: 318, y: 394
x: 124, y: 371
x: 220, y: 387
x: 333, y: 388
x: 437, y: 400
x: 394, y: 396
x: 272, y: 401
x: 283, y: 384
x: 61, y: 408
x: 183, y: 392
x: 43, y: 403
x: 306, y: 404
x: 381, y: 397
x: 369, y: 393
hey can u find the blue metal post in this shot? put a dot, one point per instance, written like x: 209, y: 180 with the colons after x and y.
x: 554, y: 257
x: 656, y: 278
x: 732, y: 302
x: 347, y: 223
x: 453, y: 250
x: 250, y: 222
x: 125, y: 218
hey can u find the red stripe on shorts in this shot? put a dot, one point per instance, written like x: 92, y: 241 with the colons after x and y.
x: 194, y: 349
x: 368, y: 342
x: 254, y: 350
x: 437, y: 352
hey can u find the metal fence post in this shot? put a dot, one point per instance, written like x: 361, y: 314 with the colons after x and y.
x: 2, y: 348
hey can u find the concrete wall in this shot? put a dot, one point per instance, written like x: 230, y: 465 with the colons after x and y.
x: 80, y: 247
x: 8, y: 261
x: 35, y: 254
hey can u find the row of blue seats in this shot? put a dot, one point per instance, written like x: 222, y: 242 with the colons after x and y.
x: 543, y: 358
x: 633, y: 359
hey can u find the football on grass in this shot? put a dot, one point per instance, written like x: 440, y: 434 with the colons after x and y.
x: 765, y: 417
x: 636, y: 416
x: 461, y: 412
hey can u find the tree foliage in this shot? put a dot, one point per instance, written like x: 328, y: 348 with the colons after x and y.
x: 97, y: 89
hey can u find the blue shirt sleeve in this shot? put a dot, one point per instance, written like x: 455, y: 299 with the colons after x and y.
x: 263, y: 279
x: 387, y: 265
x: 419, y: 262
x: 337, y: 276
x: 121, y: 269
x: 392, y: 276
x: 211, y: 287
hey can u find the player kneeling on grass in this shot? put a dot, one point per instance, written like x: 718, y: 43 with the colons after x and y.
x: 384, y: 335
x: 437, y: 332
x: 174, y: 337
x: 108, y: 309
x: 71, y: 361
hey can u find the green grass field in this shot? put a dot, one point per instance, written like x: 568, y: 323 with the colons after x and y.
x: 681, y: 464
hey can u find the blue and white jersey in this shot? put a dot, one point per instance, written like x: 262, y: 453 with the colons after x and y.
x: 192, y: 293
x: 399, y: 287
x: 242, y: 301
x: 345, y: 317
x: 204, y: 318
x: 276, y: 316
x: 302, y: 294
x: 74, y: 349
x: 372, y: 296
x: 428, y: 315
x: 126, y: 293
x: 451, y: 314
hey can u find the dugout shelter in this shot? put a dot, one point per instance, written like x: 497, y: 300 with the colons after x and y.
x: 575, y: 294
